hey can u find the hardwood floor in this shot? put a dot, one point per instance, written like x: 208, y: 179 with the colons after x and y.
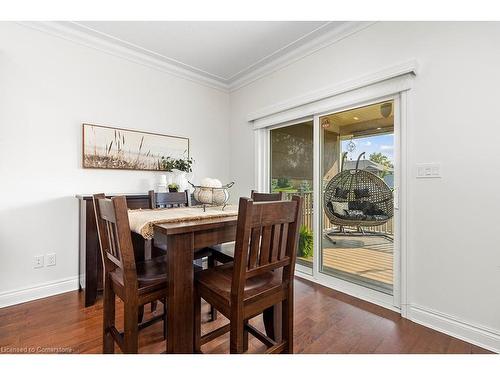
x: 326, y: 321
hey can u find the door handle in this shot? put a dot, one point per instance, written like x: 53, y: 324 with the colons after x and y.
x: 396, y: 198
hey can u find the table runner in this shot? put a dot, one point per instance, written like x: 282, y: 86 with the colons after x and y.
x: 143, y: 220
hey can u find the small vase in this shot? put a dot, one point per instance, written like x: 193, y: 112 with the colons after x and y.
x: 180, y: 178
x: 163, y: 182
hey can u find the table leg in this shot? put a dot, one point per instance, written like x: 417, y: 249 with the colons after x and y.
x: 180, y: 308
x: 272, y: 322
x: 90, y: 255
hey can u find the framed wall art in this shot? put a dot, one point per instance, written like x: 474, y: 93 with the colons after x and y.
x: 107, y: 147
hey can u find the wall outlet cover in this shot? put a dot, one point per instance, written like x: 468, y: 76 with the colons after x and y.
x: 51, y: 259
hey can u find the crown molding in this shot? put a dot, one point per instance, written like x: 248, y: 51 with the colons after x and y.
x: 61, y: 30
x: 114, y: 40
x: 327, y: 27
x: 335, y: 35
x: 88, y: 37
x: 407, y: 68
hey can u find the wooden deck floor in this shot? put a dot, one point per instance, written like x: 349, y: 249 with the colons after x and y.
x: 326, y: 321
x: 364, y: 258
x: 367, y: 257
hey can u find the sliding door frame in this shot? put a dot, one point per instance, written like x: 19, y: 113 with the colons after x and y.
x: 393, y: 301
x: 397, y: 89
x: 263, y: 176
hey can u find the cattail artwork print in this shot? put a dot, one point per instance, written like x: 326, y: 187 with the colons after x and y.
x: 114, y: 148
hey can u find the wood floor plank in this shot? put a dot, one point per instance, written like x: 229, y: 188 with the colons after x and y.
x: 326, y: 321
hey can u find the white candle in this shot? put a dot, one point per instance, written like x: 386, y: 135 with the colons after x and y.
x: 163, y: 179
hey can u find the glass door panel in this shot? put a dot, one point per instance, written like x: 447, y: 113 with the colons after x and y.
x: 357, y: 157
x: 291, y: 172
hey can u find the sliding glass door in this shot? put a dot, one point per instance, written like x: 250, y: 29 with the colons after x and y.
x: 357, y: 157
x: 348, y: 162
x: 291, y: 172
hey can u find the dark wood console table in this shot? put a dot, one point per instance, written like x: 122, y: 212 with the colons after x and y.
x: 90, y: 262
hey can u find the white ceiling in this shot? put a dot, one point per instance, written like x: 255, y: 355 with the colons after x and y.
x: 221, y: 53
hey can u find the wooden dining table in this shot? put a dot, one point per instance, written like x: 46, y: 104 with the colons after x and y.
x: 183, y: 238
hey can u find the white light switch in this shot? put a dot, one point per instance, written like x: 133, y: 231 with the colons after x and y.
x: 429, y: 170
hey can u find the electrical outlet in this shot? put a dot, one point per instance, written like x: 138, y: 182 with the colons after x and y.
x: 38, y: 261
x: 50, y: 259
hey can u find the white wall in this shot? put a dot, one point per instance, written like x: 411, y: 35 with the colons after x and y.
x: 453, y: 244
x: 48, y: 88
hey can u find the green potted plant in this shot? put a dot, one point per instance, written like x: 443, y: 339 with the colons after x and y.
x: 305, y: 242
x: 173, y: 188
x: 166, y: 164
x: 183, y: 165
x: 181, y: 168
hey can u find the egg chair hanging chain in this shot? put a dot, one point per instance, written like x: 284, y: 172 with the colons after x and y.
x: 351, y: 146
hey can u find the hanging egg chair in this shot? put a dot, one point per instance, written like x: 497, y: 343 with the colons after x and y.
x: 357, y: 198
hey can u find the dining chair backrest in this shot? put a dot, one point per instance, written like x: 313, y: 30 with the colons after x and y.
x: 266, y: 239
x: 267, y: 197
x: 115, y: 238
x: 169, y: 199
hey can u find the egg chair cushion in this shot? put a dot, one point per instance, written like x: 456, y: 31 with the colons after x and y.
x: 339, y: 208
x: 360, y: 205
x: 341, y: 193
x: 368, y: 208
x: 355, y: 215
x: 332, y: 212
x: 361, y: 193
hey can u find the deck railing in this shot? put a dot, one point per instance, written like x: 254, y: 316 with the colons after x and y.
x: 307, y: 215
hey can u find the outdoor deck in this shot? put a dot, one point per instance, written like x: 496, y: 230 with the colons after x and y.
x: 366, y: 260
x: 363, y: 259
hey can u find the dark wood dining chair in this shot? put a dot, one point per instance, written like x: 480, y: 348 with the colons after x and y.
x: 267, y: 197
x: 175, y: 200
x: 224, y: 253
x: 260, y: 277
x: 165, y: 200
x: 169, y: 199
x: 136, y: 284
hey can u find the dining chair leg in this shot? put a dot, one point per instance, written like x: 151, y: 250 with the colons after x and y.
x: 148, y: 254
x: 213, y: 311
x: 197, y: 323
x: 140, y: 314
x: 287, y: 323
x: 245, y: 337
x: 268, y: 318
x: 236, y: 344
x: 272, y: 322
x: 131, y: 332
x: 108, y: 345
x: 164, y: 301
x: 213, y: 314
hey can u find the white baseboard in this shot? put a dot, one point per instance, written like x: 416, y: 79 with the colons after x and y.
x: 13, y: 297
x: 481, y: 336
x: 358, y: 291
